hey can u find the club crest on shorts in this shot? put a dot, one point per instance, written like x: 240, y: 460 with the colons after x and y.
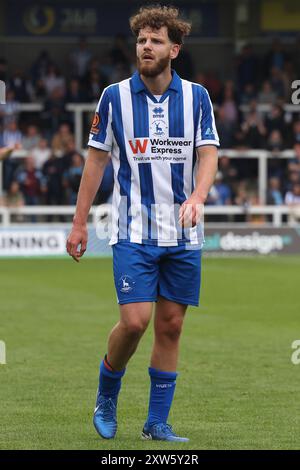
x: 126, y: 284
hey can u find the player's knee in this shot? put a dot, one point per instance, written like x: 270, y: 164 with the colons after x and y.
x: 170, y: 329
x: 135, y: 327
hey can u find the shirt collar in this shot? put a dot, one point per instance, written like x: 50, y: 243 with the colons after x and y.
x: 137, y: 84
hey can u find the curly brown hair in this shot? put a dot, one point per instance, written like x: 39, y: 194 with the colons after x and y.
x: 157, y: 16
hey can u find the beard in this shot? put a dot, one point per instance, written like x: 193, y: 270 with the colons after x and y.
x: 154, y: 68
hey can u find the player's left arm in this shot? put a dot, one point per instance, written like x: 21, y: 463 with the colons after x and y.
x: 192, y: 209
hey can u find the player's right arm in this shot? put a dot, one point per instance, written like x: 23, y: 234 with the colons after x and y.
x: 91, y: 178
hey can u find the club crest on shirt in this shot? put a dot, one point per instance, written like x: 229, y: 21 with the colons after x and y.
x: 158, y: 127
x: 95, y: 124
x: 126, y: 284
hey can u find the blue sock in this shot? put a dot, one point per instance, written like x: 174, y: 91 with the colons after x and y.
x: 110, y: 381
x: 161, y: 395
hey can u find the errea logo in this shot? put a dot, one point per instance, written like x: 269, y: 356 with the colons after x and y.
x: 158, y: 112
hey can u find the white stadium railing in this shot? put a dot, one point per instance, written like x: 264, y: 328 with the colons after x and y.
x: 11, y: 216
x: 262, y: 156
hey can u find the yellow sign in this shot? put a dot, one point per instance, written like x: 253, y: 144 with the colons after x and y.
x: 278, y: 15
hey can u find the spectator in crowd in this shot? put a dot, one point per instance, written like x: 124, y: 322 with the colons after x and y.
x: 274, y: 196
x: 229, y: 103
x: 229, y: 171
x: 54, y: 111
x: 80, y: 58
x: 277, y: 82
x: 226, y: 128
x: 275, y: 141
x: 213, y: 85
x: 41, y: 153
x: 295, y: 138
x: 220, y: 193
x: 294, y: 163
x: 72, y: 177
x: 247, y: 68
x: 14, y: 197
x: 31, y: 182
x: 10, y: 111
x: 248, y: 94
x: 12, y: 135
x: 61, y: 138
x: 20, y: 86
x: 53, y: 181
x: 31, y: 137
x: 292, y: 197
x: 40, y: 66
x: 253, y: 129
x: 120, y: 52
x: 267, y: 94
x: 275, y: 57
x: 53, y: 80
x: 75, y: 93
x: 275, y: 120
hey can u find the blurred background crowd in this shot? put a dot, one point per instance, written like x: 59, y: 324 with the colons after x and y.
x: 51, y: 170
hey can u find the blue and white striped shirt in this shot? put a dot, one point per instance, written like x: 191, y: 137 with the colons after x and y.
x: 152, y: 141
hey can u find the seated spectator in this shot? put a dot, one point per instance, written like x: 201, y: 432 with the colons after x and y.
x: 41, y: 153
x: 31, y: 182
x: 275, y: 141
x: 72, y: 177
x: 14, y: 200
x: 254, y: 130
x: 248, y: 94
x: 228, y: 102
x: 94, y: 86
x: 11, y: 109
x: 75, y: 94
x: 275, y: 120
x: 54, y: 111
x: 53, y: 181
x: 267, y: 94
x: 274, y: 196
x: 31, y: 137
x: 12, y: 135
x: 220, y: 193
x: 294, y: 163
x: 14, y: 197
x: 229, y: 171
x: 292, y: 197
x: 60, y: 139
x: 295, y: 138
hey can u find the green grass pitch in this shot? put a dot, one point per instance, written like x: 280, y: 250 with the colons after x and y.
x: 237, y: 387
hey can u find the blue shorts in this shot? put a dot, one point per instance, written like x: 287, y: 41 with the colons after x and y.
x: 144, y: 272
